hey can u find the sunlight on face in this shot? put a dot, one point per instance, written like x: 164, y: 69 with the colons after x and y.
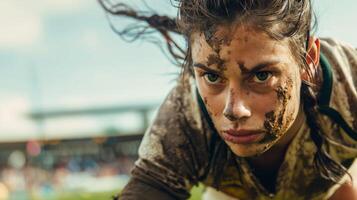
x: 250, y: 85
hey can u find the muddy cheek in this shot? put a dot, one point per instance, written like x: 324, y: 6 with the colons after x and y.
x: 270, y: 125
x: 276, y: 122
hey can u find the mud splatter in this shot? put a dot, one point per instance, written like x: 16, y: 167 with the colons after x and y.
x: 269, y: 125
x: 209, y: 33
x: 274, y: 120
x: 282, y: 93
x: 216, y: 41
x: 214, y: 59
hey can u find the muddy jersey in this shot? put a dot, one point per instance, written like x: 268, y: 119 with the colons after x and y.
x: 181, y: 149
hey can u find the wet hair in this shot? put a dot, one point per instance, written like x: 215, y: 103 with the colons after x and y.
x: 280, y: 19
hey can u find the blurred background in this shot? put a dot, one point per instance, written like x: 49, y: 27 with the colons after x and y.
x: 75, y: 99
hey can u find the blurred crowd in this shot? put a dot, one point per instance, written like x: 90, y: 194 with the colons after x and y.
x: 29, y: 180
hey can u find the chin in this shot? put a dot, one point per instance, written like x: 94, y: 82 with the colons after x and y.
x: 247, y: 150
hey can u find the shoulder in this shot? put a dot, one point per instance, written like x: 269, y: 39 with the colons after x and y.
x: 342, y: 58
x: 179, y: 111
x: 175, y: 143
x: 342, y: 63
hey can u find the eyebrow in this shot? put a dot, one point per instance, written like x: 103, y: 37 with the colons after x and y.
x: 257, y: 67
x: 204, y: 67
x: 244, y: 69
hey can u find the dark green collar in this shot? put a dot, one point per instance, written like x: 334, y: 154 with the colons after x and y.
x: 326, y: 89
x: 325, y: 96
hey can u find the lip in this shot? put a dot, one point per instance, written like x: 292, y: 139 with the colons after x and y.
x: 243, y: 136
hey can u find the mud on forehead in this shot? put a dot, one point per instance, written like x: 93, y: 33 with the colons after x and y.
x: 215, y: 37
x: 215, y: 59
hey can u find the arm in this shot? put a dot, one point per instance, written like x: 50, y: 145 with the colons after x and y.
x: 172, y: 154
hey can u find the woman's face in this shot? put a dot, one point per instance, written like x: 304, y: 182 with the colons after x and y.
x: 250, y: 85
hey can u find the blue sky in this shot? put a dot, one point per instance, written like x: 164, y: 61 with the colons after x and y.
x: 61, y: 54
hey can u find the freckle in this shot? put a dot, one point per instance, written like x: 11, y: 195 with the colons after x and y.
x: 228, y: 52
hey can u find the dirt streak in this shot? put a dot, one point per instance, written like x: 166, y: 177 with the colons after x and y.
x: 216, y: 42
x: 214, y: 59
x: 274, y: 122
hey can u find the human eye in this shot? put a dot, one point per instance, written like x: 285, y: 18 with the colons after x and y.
x: 212, y: 78
x: 262, y: 76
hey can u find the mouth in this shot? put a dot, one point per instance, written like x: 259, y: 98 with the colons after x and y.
x: 243, y: 136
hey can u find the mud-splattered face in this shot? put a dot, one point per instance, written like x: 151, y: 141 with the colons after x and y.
x: 250, y: 84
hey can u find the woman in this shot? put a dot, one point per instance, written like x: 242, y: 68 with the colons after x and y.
x: 262, y: 109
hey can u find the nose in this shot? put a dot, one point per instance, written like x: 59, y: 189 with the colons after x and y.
x: 236, y: 107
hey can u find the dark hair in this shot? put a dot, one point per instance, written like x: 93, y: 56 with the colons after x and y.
x: 280, y: 19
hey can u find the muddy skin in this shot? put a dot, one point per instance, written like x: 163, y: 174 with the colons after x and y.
x: 209, y: 33
x: 274, y: 122
x: 216, y: 59
x: 228, y: 112
x: 216, y: 42
x: 205, y: 100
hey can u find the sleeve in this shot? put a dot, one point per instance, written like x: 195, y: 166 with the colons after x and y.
x: 173, y: 152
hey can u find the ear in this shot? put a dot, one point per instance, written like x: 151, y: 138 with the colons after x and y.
x: 312, y: 59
